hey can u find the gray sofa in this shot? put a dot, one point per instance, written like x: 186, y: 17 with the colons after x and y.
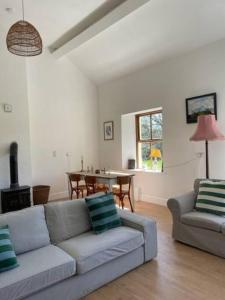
x: 202, y: 230
x: 61, y: 258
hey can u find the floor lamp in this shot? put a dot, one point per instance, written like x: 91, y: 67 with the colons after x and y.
x: 207, y: 130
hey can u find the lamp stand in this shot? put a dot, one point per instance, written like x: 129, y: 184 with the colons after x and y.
x: 207, y: 159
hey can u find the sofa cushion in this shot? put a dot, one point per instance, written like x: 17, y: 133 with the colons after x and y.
x: 203, y: 220
x: 211, y: 197
x: 102, y: 212
x: 28, y: 229
x: 91, y: 250
x: 38, y: 269
x: 66, y: 219
x: 8, y: 259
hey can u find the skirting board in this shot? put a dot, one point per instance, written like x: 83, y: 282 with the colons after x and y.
x: 145, y: 197
x: 57, y: 196
x: 155, y: 200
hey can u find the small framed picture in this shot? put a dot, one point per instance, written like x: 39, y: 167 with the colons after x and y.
x: 108, y: 131
x: 199, y: 105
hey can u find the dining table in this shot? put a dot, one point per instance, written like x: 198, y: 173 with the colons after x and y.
x: 107, y: 177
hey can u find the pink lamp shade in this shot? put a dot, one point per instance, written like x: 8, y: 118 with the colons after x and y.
x: 207, y: 129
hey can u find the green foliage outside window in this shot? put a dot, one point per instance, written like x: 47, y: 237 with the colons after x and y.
x: 149, y: 131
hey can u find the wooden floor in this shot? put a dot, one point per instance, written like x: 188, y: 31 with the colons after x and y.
x: 179, y: 272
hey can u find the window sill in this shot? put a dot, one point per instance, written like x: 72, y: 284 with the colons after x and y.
x: 143, y: 171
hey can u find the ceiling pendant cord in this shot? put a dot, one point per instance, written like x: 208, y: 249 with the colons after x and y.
x: 23, y: 9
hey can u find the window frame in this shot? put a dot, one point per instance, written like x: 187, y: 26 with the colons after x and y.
x: 138, y: 138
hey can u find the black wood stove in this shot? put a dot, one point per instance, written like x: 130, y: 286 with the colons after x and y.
x: 16, y: 197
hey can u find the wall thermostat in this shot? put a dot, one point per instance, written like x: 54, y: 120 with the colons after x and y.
x: 7, y: 108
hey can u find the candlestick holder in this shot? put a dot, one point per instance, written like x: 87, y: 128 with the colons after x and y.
x: 82, y: 165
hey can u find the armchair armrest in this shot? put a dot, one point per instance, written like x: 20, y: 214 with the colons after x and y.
x: 147, y: 226
x: 181, y: 205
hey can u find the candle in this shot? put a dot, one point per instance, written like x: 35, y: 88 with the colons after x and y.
x: 82, y: 163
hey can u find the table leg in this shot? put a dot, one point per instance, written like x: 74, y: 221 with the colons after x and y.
x: 132, y: 192
x: 110, y: 185
x: 110, y: 182
x: 69, y: 188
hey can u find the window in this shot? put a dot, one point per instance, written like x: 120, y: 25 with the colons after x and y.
x: 149, y: 140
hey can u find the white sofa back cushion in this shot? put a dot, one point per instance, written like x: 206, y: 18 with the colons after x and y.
x: 66, y: 219
x: 28, y: 229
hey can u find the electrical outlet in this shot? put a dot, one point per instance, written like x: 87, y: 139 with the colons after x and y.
x: 199, y: 154
x: 7, y: 108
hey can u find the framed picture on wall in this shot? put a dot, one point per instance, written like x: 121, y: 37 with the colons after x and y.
x: 199, y: 105
x: 108, y: 131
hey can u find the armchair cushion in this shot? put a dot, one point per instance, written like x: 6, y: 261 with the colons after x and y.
x: 211, y: 197
x: 197, y: 183
x: 203, y: 220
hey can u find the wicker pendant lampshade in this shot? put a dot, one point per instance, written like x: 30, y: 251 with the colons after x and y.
x: 23, y: 39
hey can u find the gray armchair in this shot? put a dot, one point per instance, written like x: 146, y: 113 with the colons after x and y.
x: 202, y: 230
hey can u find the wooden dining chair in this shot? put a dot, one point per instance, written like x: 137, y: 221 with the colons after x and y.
x: 75, y: 185
x: 93, y: 187
x: 121, y: 192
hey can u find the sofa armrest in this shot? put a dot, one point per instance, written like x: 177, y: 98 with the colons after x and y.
x: 181, y: 205
x: 147, y: 226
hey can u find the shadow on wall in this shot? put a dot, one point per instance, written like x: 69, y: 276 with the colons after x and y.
x: 4, y: 150
x: 4, y: 167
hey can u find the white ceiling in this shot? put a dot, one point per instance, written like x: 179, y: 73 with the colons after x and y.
x: 156, y: 31
x: 52, y: 18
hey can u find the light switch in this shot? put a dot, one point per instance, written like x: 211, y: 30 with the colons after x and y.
x: 7, y: 108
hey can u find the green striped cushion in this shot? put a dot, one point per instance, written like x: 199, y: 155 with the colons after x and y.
x: 103, y: 213
x: 7, y: 254
x: 211, y: 197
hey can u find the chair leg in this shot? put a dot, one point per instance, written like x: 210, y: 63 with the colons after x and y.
x: 131, y: 206
x: 122, y: 203
x: 119, y: 201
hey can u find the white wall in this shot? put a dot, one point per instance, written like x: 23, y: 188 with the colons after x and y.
x: 128, y: 139
x: 61, y: 116
x: 167, y: 85
x: 14, y: 126
x: 63, y: 106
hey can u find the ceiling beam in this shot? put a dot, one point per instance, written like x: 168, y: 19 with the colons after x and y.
x: 105, y: 16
